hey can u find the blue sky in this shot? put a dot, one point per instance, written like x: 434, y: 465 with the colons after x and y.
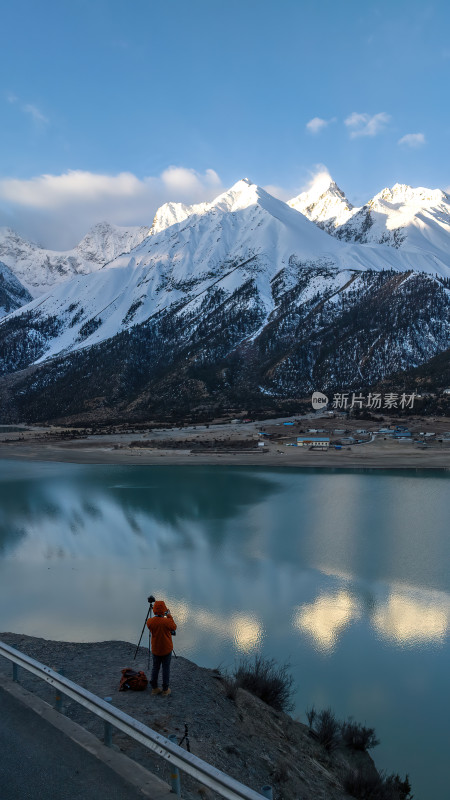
x: 106, y: 97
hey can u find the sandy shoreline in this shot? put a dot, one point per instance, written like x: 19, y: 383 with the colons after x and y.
x: 377, y: 455
x: 231, y: 443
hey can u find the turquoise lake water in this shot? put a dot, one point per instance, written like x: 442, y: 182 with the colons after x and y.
x: 343, y: 574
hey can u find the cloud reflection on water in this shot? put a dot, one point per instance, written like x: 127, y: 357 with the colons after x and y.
x: 327, y: 617
x: 413, y: 617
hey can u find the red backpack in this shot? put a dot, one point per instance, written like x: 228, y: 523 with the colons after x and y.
x: 133, y: 680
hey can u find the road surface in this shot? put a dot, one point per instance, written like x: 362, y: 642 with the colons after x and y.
x: 38, y: 762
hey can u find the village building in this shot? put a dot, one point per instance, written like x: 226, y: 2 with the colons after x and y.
x: 314, y: 442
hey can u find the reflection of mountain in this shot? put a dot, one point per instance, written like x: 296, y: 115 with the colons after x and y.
x: 10, y: 535
x: 198, y: 494
x: 113, y: 510
x: 241, y: 545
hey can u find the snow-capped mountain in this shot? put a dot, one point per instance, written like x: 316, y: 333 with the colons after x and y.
x: 104, y: 242
x: 414, y: 219
x: 242, y: 292
x: 170, y: 213
x: 244, y: 237
x: 12, y: 294
x: 39, y: 269
x: 324, y: 203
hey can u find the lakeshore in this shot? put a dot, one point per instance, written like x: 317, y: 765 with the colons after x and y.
x: 229, y: 444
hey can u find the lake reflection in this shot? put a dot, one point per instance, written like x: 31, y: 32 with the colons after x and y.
x: 343, y: 573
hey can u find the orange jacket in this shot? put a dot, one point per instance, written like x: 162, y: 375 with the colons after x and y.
x: 160, y: 628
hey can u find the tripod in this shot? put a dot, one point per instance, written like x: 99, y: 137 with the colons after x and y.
x: 151, y: 600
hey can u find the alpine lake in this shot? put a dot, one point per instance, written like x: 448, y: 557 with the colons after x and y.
x: 342, y: 574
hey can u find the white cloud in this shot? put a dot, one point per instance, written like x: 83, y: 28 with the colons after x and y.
x: 57, y: 210
x: 316, y: 124
x: 28, y: 108
x: 180, y: 179
x: 319, y: 181
x: 366, y: 125
x: 35, y: 113
x: 412, y: 139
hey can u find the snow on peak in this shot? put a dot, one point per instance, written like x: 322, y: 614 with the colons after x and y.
x: 104, y: 242
x: 242, y: 194
x: 39, y: 269
x: 170, y: 213
x: 323, y: 203
x: 402, y: 194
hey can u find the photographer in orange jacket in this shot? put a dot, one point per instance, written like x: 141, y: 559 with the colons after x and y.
x: 161, y: 626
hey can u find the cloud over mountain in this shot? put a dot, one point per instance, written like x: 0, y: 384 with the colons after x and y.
x: 56, y: 210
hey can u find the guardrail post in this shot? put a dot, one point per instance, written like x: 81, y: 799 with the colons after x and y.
x: 58, y: 696
x: 15, y: 672
x: 175, y: 772
x: 107, y: 735
x: 267, y: 791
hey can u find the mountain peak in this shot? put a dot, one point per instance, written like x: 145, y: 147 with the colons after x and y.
x: 323, y: 203
x: 242, y: 194
x: 402, y: 194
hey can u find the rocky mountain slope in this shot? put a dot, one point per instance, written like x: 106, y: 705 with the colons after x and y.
x: 39, y: 269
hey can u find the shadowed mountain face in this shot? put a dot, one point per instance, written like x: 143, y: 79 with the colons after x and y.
x: 12, y: 294
x: 357, y: 330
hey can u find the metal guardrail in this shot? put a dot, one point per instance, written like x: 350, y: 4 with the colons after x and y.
x: 195, y: 767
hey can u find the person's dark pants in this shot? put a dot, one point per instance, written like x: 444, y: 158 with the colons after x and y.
x: 159, y: 661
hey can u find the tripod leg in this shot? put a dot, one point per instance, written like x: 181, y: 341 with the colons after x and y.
x: 142, y: 632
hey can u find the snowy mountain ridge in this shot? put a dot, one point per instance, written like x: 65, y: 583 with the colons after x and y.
x: 245, y: 238
x: 39, y: 269
x: 416, y: 219
x: 240, y: 302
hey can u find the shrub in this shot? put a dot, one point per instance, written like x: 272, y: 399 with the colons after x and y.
x: 366, y: 785
x: 311, y: 714
x: 324, y: 727
x: 264, y: 678
x: 357, y: 736
x: 403, y: 788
